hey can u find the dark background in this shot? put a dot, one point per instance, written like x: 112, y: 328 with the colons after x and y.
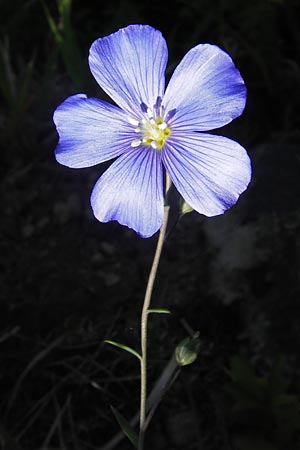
x: 67, y: 282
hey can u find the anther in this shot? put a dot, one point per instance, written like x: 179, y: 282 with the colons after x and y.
x: 136, y: 142
x: 162, y: 126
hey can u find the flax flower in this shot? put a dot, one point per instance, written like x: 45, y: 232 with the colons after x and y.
x: 153, y: 128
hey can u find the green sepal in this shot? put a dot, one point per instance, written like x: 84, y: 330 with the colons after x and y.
x: 124, y: 347
x: 159, y: 311
x: 126, y: 427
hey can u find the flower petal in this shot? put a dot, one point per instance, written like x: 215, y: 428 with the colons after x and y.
x: 210, y: 172
x: 90, y: 131
x: 206, y: 90
x: 129, y: 65
x: 131, y: 192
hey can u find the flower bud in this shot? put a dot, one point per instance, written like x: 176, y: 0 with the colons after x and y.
x: 185, y: 208
x: 187, y: 350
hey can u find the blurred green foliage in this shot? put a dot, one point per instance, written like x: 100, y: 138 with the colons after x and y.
x: 65, y: 38
x: 14, y: 87
x: 265, y: 416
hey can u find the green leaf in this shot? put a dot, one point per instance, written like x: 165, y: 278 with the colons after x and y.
x: 124, y: 347
x: 159, y: 311
x: 126, y: 427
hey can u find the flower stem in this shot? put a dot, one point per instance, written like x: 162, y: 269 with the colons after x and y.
x: 144, y: 318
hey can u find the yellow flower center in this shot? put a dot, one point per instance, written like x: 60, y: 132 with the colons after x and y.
x: 153, y: 132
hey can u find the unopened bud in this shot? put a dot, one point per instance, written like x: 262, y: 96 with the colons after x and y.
x: 187, y: 350
x: 185, y: 208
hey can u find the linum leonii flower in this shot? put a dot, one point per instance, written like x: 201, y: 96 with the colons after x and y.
x: 152, y: 128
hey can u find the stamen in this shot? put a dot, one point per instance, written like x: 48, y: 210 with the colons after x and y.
x: 153, y: 132
x: 136, y: 142
x: 162, y: 126
x: 149, y: 113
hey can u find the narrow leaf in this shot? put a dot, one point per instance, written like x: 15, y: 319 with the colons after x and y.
x: 124, y: 347
x: 53, y: 27
x: 126, y: 427
x: 25, y: 84
x: 159, y: 311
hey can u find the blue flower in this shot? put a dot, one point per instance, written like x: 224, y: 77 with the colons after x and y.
x: 152, y: 128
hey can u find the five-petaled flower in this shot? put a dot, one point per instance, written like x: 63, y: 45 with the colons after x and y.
x: 152, y: 128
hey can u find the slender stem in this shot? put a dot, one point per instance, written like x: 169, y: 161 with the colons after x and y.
x: 144, y: 318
